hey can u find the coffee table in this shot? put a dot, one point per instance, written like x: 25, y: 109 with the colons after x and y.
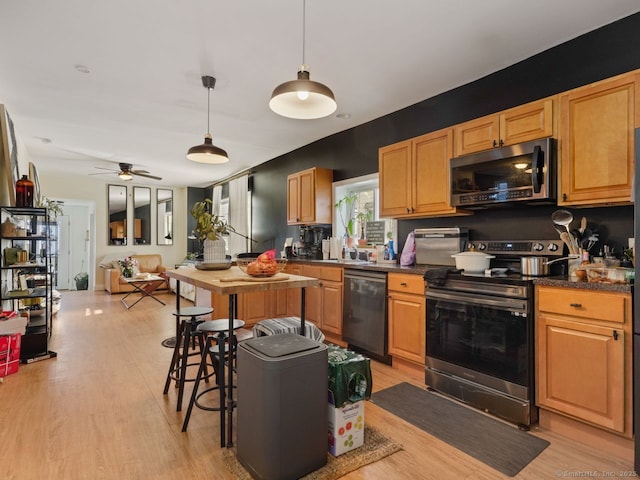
x: 145, y: 286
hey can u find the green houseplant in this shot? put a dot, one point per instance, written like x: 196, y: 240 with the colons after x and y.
x: 346, y: 206
x: 209, y: 229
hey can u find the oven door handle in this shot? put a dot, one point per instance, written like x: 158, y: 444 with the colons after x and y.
x: 511, y: 304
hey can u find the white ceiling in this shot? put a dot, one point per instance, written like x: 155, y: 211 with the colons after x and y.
x: 143, y: 101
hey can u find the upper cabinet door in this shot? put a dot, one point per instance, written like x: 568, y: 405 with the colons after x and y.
x: 394, y: 163
x: 477, y: 135
x: 519, y: 124
x: 309, y: 197
x: 597, y: 141
x: 431, y: 186
x: 527, y: 122
x: 293, y: 199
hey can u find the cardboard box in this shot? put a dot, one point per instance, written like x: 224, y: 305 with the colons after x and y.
x: 346, y: 427
x: 9, y: 354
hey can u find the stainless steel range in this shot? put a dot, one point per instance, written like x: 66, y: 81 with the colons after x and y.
x: 480, y: 332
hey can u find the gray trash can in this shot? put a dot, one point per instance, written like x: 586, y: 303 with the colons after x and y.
x: 282, y: 406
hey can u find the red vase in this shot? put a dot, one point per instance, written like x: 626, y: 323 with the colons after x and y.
x: 24, y: 192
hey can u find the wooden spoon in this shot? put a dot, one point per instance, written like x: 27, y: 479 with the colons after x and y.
x: 583, y: 225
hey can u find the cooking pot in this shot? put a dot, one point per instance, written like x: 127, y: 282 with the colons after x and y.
x: 472, y: 262
x: 534, y: 266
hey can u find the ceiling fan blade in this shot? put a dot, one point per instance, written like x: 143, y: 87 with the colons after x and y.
x: 139, y: 172
x: 147, y: 176
x: 103, y: 173
x: 103, y: 168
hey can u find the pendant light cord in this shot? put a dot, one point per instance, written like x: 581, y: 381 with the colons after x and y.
x: 208, y: 109
x: 304, y: 16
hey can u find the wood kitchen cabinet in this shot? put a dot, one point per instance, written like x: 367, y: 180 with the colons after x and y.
x: 323, y: 302
x: 406, y: 314
x: 597, y: 141
x: 583, y: 356
x: 519, y: 124
x: 309, y: 197
x: 414, y: 176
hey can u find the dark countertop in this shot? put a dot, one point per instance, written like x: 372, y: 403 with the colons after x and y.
x: 598, y: 286
x: 421, y: 269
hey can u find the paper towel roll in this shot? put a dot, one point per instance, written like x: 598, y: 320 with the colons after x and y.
x: 335, y: 247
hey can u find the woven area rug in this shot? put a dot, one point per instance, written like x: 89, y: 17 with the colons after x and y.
x: 489, y: 440
x: 376, y: 446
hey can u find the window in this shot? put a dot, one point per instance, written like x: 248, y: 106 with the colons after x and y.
x: 360, y: 203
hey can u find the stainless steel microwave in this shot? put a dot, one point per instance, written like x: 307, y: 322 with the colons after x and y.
x: 517, y: 173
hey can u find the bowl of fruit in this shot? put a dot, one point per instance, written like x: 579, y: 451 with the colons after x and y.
x: 263, y: 265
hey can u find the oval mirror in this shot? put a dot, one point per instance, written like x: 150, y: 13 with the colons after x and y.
x: 164, y: 217
x: 142, y: 215
x: 117, y: 208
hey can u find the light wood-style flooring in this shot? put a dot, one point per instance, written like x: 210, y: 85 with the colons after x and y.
x: 97, y: 412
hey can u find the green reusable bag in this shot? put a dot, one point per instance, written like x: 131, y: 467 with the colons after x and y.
x: 349, y: 376
x: 11, y: 255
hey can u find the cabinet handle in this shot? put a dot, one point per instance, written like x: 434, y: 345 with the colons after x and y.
x: 408, y: 210
x: 576, y: 305
x: 495, y: 144
x: 501, y: 142
x: 412, y: 210
x: 564, y: 197
x: 615, y: 335
x: 403, y: 284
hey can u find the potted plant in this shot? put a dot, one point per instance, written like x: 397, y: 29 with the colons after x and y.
x: 345, y: 207
x: 53, y: 206
x: 363, y: 218
x: 209, y: 229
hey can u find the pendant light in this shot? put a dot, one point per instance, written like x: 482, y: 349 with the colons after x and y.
x: 208, y: 152
x: 303, y: 98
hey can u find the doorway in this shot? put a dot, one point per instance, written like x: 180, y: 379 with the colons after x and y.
x: 76, y: 251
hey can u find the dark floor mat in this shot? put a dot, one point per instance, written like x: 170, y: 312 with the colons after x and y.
x: 169, y: 342
x: 501, y: 446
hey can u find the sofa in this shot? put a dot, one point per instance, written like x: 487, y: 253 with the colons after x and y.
x: 148, y: 263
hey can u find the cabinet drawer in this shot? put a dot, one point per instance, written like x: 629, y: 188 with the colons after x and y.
x: 332, y: 274
x: 311, y: 271
x: 406, y: 283
x: 607, y: 306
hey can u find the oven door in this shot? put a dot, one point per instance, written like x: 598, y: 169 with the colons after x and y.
x: 484, y: 339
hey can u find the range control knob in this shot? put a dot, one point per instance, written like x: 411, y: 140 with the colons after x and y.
x: 538, y: 247
x: 553, y: 247
x: 481, y: 246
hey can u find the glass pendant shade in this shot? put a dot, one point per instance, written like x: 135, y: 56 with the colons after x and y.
x: 207, y: 152
x: 303, y: 99
x: 126, y: 176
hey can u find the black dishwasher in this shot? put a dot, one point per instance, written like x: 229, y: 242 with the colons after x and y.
x: 364, y: 318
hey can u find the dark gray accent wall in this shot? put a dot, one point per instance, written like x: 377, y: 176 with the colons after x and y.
x: 597, y: 55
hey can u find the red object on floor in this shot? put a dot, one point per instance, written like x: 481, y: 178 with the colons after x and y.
x: 9, y: 354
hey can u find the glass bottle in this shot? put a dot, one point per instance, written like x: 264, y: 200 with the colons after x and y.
x: 24, y: 192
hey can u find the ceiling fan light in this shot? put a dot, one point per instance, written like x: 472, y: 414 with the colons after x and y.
x: 126, y: 176
x: 207, y: 152
x: 303, y: 99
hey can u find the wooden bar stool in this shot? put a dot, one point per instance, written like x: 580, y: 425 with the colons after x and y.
x: 187, y: 335
x: 216, y: 348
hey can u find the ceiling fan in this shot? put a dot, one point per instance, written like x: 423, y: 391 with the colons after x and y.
x: 126, y: 172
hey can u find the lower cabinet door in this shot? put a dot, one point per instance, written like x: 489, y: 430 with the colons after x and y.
x: 581, y: 371
x: 407, y: 326
x: 332, y: 307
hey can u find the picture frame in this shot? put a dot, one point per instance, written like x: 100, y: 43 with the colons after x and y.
x: 33, y: 176
x: 9, y: 153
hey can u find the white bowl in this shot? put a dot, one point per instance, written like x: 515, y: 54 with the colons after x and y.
x: 472, y: 262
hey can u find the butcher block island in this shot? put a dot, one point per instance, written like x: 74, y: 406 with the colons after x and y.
x: 257, y: 298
